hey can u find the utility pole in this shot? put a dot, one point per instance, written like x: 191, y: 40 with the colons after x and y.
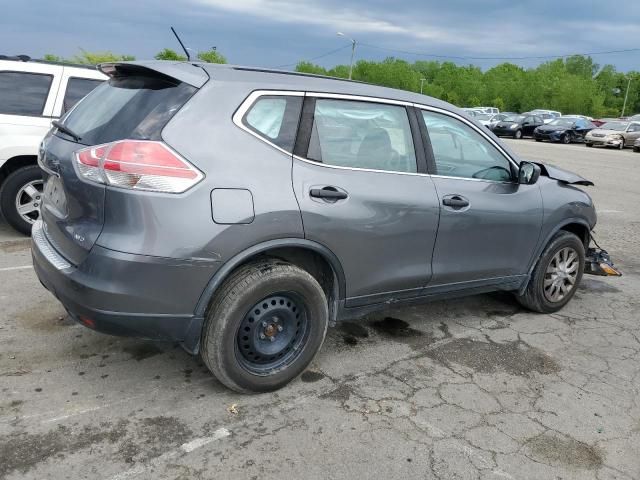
x: 422, y: 80
x: 353, y: 52
x: 624, y: 105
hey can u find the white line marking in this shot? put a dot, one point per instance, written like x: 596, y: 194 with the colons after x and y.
x: 201, y: 442
x: 609, y: 211
x: 9, y: 269
x: 184, y: 448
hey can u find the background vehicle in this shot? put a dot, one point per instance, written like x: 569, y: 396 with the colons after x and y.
x: 635, y: 118
x: 518, y: 126
x: 492, y: 110
x: 380, y: 179
x: 31, y: 95
x: 617, y: 134
x: 491, y: 120
x: 636, y: 145
x: 541, y: 110
x: 563, y: 129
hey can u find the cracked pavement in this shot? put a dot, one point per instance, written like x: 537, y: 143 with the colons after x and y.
x: 473, y: 388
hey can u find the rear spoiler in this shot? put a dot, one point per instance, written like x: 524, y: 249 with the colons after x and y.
x: 190, y: 73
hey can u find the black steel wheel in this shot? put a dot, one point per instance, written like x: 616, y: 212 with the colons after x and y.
x: 271, y: 333
x: 264, y: 326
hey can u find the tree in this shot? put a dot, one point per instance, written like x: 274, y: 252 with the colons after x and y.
x: 168, y: 54
x: 94, y: 58
x: 212, y: 56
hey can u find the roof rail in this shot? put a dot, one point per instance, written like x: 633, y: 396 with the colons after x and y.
x: 18, y: 58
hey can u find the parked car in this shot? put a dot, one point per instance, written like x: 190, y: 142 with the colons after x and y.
x: 473, y: 112
x: 489, y: 109
x: 490, y: 120
x: 584, y: 117
x: 538, y: 111
x: 617, y: 134
x: 518, y: 126
x: 636, y: 145
x: 564, y: 130
x: 168, y: 219
x: 31, y: 95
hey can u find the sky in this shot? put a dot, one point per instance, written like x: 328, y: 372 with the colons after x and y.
x: 279, y: 33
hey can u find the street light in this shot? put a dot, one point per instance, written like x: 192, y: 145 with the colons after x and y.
x: 624, y: 105
x: 353, y: 51
x: 422, y: 80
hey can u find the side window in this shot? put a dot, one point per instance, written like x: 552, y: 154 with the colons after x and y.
x: 357, y: 134
x: 634, y: 127
x: 275, y: 118
x: 23, y: 93
x: 460, y: 151
x: 77, y: 88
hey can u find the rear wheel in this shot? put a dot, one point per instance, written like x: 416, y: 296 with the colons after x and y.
x: 538, y: 139
x: 264, y: 326
x: 636, y: 149
x: 518, y: 134
x: 21, y: 196
x: 556, y: 276
x: 589, y: 145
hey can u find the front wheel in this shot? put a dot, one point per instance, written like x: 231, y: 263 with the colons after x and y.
x: 518, y: 134
x: 636, y: 149
x: 556, y: 276
x: 264, y: 326
x: 566, y: 139
x: 21, y: 196
x: 589, y: 145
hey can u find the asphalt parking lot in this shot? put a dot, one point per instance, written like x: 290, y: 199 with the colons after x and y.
x: 474, y: 388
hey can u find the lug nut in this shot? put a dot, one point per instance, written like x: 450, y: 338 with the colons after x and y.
x: 273, y: 339
x: 262, y: 336
x: 279, y: 328
x: 264, y: 324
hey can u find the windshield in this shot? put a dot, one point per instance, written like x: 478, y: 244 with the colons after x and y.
x: 618, y: 126
x: 132, y: 107
x: 563, y: 122
x: 514, y: 118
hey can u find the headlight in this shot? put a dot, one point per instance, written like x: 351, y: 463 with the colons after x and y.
x: 513, y: 126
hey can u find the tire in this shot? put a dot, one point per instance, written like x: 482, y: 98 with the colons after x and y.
x: 538, y: 139
x: 22, y: 186
x: 636, y: 149
x: 260, y: 299
x: 518, y: 134
x: 535, y: 297
x: 566, y: 139
x: 589, y: 145
x: 621, y: 147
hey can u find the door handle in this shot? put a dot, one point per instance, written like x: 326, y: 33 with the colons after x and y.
x: 455, y: 201
x: 328, y: 193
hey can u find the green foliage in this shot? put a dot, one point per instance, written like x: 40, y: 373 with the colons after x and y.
x: 89, y: 58
x: 212, y: 56
x: 168, y: 54
x: 573, y: 85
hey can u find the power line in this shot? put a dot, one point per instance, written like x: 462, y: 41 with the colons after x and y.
x: 457, y: 57
x: 315, y: 58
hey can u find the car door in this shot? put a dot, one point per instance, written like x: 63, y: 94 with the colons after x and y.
x: 528, y: 125
x: 364, y: 193
x: 632, y: 134
x: 489, y: 224
x: 580, y: 128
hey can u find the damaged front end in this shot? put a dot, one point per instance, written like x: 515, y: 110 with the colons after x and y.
x: 598, y: 262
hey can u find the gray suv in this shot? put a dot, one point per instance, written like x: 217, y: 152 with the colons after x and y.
x: 241, y: 211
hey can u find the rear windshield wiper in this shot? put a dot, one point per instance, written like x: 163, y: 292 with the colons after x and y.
x: 67, y: 130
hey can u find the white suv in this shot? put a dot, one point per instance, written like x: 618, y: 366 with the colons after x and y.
x: 32, y: 94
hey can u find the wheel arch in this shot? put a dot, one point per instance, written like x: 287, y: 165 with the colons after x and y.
x: 314, y: 257
x: 577, y: 226
x: 15, y: 163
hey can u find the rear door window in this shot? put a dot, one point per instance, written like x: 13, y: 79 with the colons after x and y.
x: 275, y: 118
x: 23, y: 93
x: 367, y: 135
x: 131, y: 107
x: 77, y: 88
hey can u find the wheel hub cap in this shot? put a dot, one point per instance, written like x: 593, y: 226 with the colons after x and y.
x: 561, y: 274
x: 28, y: 201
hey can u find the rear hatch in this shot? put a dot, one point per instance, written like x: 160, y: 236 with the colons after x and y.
x: 135, y: 104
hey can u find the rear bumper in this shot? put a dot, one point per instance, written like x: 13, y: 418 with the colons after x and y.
x: 124, y: 294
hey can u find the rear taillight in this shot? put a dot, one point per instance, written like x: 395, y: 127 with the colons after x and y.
x: 138, y: 165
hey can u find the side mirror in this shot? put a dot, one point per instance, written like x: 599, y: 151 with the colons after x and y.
x: 529, y: 173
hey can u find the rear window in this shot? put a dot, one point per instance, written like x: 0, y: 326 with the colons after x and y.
x: 23, y: 93
x: 133, y: 107
x: 77, y: 88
